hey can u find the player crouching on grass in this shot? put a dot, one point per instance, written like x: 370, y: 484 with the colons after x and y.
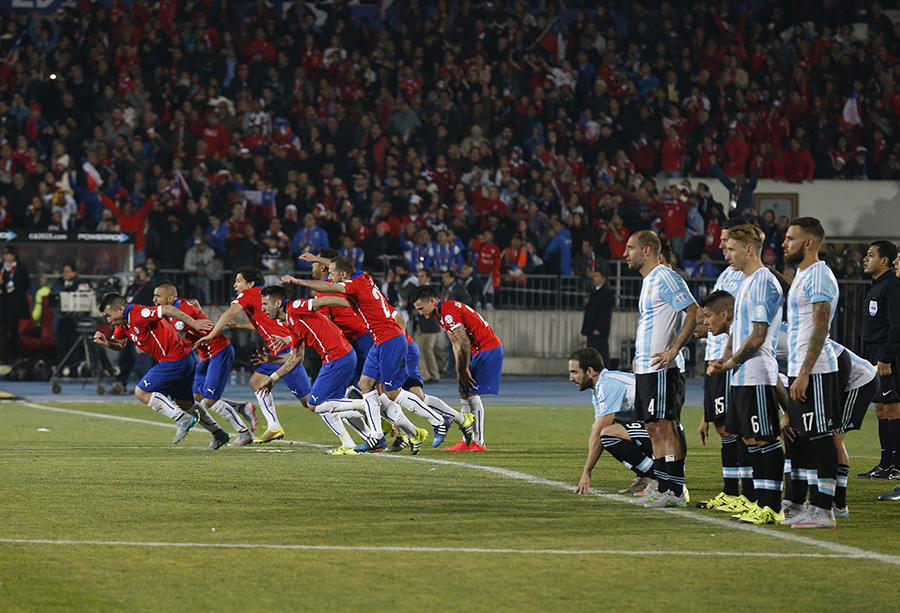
x: 611, y: 392
x: 173, y: 375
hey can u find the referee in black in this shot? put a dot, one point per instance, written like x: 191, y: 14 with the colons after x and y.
x: 881, y: 346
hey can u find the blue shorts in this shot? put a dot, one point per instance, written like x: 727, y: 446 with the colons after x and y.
x: 387, y: 363
x: 173, y: 379
x: 485, y: 368
x: 297, y: 380
x: 361, y: 346
x: 212, y: 374
x: 413, y: 376
x: 332, y: 380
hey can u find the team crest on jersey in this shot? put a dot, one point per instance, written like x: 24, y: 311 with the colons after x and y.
x: 759, y: 312
x: 241, y: 295
x: 448, y: 319
x: 681, y: 297
x: 179, y: 325
x: 136, y: 329
x: 146, y: 312
x: 873, y: 307
x: 731, y: 286
x: 296, y: 304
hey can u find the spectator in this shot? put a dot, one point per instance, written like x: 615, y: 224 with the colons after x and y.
x: 198, y: 261
x: 740, y: 190
x: 559, y: 252
x: 797, y: 164
x: 427, y: 333
x: 308, y: 239
x: 66, y: 324
x: 598, y: 309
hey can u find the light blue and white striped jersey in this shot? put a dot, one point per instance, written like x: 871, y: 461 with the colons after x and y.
x: 811, y: 286
x: 614, y: 392
x: 861, y: 371
x: 664, y: 294
x: 781, y: 344
x: 759, y: 300
x: 730, y: 281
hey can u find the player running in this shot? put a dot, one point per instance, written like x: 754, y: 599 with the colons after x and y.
x: 626, y: 441
x: 150, y: 331
x: 248, y: 283
x: 478, y: 350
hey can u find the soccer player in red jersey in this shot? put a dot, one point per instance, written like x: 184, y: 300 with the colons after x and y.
x: 148, y: 328
x: 478, y: 350
x: 248, y: 283
x: 215, y: 360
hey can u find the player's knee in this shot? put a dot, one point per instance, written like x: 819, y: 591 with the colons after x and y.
x: 142, y: 395
x: 207, y: 402
x: 720, y: 428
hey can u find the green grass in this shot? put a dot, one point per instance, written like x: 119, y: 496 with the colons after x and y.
x: 93, y: 479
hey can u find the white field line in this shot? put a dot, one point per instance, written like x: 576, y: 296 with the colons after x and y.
x: 779, y: 533
x: 563, y: 552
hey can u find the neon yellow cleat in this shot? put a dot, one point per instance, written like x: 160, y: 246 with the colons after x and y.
x: 415, y: 444
x: 270, y: 435
x: 342, y: 451
x: 765, y: 515
x: 468, y: 427
x: 719, y: 500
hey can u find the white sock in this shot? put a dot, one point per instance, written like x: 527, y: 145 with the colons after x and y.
x: 445, y: 409
x: 230, y: 415
x: 267, y: 405
x: 478, y: 411
x: 164, y: 406
x: 206, y: 420
x: 340, y: 406
x: 373, y: 414
x: 464, y: 404
x: 359, y: 424
x: 232, y: 403
x: 414, y: 405
x: 395, y: 415
x: 337, y: 426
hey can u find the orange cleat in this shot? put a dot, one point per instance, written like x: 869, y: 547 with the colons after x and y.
x: 476, y: 447
x: 460, y: 446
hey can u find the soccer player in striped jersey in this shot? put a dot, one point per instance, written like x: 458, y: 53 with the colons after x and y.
x: 659, y: 383
x: 626, y: 441
x: 150, y: 331
x: 812, y: 367
x: 752, y: 402
x: 248, y: 283
x: 214, y: 363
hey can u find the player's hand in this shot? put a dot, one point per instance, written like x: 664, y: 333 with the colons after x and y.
x: 280, y: 342
x: 266, y: 387
x: 714, y: 367
x: 786, y: 431
x: 203, y: 325
x: 703, y: 431
x: 101, y: 339
x: 466, y: 381
x: 798, y: 387
x: 883, y: 369
x: 259, y: 357
x: 203, y: 340
x: 306, y: 256
x: 289, y: 280
x: 584, y: 486
x: 234, y: 326
x: 663, y: 359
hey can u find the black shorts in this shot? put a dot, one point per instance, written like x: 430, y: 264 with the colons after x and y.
x: 752, y: 411
x: 890, y: 385
x: 714, y: 397
x: 854, y: 405
x: 637, y: 432
x: 819, y: 413
x: 659, y: 395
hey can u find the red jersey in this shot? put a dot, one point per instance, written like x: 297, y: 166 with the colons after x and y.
x: 149, y: 330
x: 351, y: 324
x: 251, y: 301
x: 206, y: 350
x: 454, y: 314
x: 409, y: 339
x: 316, y: 330
x: 367, y: 300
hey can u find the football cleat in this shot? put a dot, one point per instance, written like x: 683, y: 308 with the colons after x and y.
x: 719, y: 500
x: 415, y: 443
x: 367, y: 447
x: 651, y: 491
x: 840, y: 512
x: 247, y: 410
x: 243, y: 438
x: 876, y: 474
x: 636, y: 486
x: 185, y: 423
x: 816, y: 518
x: 738, y: 505
x: 894, y: 474
x: 476, y: 447
x: 894, y: 494
x: 665, y: 500
x: 270, y: 435
x: 468, y: 427
x: 792, y: 509
x: 460, y: 446
x: 650, y: 487
x: 440, y: 432
x: 342, y: 451
x: 387, y: 428
x: 751, y: 508
x: 400, y: 443
x: 763, y: 516
x: 219, y: 439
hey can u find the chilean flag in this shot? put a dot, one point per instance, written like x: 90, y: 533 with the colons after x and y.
x: 11, y: 60
x: 554, y: 41
x: 182, y: 184
x: 94, y: 181
x: 851, y: 115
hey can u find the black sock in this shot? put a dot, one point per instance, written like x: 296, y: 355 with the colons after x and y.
x: 659, y: 473
x: 826, y: 464
x: 730, y: 473
x: 682, y: 441
x: 799, y: 483
x: 887, y: 449
x: 747, y: 484
x: 628, y: 453
x: 675, y: 472
x: 840, y: 488
x: 788, y: 467
x: 746, y: 470
x: 773, y: 467
x: 894, y: 425
x: 759, y: 471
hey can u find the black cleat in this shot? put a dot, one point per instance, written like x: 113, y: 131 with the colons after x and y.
x: 876, y: 474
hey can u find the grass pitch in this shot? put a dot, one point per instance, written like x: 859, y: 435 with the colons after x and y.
x: 109, y: 516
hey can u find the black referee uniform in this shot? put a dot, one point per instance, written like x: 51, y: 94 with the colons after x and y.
x: 881, y: 332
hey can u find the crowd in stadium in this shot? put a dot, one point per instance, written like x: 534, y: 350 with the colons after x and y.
x: 515, y: 139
